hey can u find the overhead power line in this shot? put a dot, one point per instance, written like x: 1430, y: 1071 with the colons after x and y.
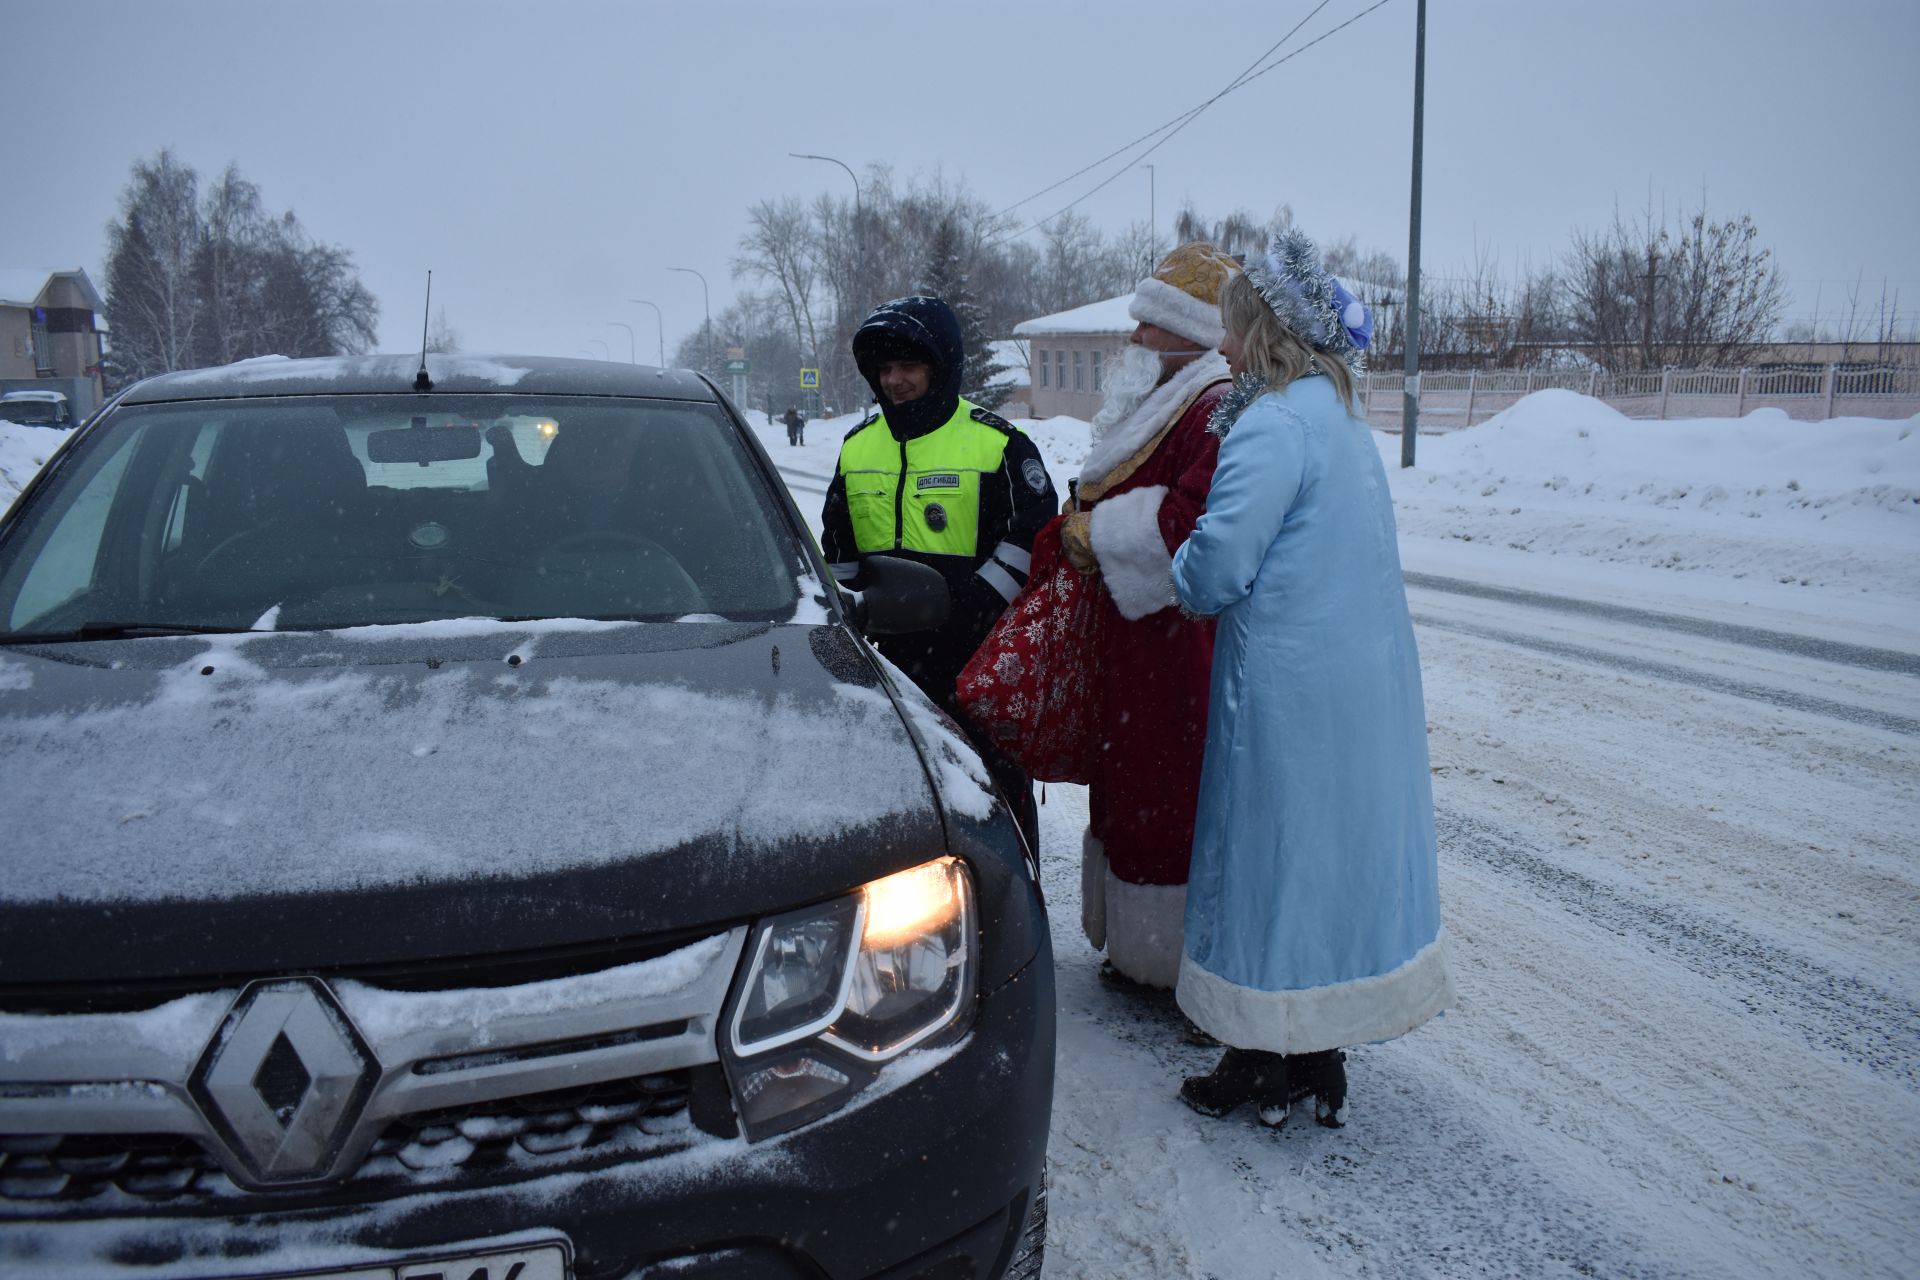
x: 1174, y: 126
x: 1183, y: 116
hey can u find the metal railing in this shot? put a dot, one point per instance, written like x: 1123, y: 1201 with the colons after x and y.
x: 1450, y: 400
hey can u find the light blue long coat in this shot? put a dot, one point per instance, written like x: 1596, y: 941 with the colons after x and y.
x: 1313, y: 908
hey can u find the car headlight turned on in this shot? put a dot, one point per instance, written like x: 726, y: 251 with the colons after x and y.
x: 835, y: 991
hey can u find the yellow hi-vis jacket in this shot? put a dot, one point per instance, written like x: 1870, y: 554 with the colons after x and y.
x: 965, y: 498
x: 921, y: 494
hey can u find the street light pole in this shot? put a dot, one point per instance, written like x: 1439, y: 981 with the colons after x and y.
x: 706, y: 306
x: 859, y: 230
x: 603, y: 347
x: 801, y: 155
x: 660, y: 326
x: 1410, y: 400
x: 629, y: 329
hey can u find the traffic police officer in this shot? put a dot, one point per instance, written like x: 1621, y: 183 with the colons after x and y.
x: 934, y: 478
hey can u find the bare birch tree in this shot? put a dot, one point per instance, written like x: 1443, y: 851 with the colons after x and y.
x: 152, y: 296
x: 192, y: 282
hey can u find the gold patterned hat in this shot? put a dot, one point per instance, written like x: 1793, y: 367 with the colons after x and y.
x: 1183, y: 294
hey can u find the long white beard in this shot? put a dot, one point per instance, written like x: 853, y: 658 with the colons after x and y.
x: 1128, y: 381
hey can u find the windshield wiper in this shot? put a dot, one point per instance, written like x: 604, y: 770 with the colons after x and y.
x: 126, y: 631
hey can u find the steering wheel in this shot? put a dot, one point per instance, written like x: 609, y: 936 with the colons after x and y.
x: 662, y: 560
x: 224, y: 547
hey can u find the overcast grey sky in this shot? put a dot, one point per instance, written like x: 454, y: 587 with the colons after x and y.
x: 550, y: 162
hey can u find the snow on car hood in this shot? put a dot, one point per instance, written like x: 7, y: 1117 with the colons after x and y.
x: 252, y: 766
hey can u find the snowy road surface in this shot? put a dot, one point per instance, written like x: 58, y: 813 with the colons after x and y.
x: 1678, y: 872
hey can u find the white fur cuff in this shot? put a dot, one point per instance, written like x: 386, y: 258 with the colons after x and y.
x: 1177, y: 311
x: 1363, y: 1011
x: 1134, y: 560
x: 1146, y: 925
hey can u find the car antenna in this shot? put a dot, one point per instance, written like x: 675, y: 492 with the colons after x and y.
x: 421, y: 382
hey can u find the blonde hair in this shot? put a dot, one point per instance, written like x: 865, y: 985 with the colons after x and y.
x: 1271, y: 351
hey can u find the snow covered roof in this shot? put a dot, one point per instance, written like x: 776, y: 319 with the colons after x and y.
x: 1109, y: 315
x: 22, y: 286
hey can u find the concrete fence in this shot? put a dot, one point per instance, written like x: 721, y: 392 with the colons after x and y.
x: 1452, y: 400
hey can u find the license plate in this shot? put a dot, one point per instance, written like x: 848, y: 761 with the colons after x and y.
x: 533, y: 1262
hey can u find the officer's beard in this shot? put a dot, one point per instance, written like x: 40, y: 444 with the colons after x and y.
x: 1128, y: 381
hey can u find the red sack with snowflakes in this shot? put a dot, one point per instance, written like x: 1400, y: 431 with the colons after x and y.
x: 1033, y: 687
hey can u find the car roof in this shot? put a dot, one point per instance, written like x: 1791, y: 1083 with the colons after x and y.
x: 451, y: 374
x: 32, y: 395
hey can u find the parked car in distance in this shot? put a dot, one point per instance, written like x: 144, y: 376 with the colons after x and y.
x: 456, y: 827
x: 36, y: 408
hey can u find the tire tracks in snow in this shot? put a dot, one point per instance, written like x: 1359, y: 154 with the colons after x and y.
x: 1862, y: 1023
x: 1736, y: 633
x: 1785, y: 698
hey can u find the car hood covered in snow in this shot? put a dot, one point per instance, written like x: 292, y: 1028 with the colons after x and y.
x: 266, y: 802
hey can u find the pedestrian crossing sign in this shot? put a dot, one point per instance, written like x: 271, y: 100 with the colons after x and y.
x: 809, y: 379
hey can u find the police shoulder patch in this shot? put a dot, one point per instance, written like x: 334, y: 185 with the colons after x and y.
x: 1036, y: 475
x: 988, y: 417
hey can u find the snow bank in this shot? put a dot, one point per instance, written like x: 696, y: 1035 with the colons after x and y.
x: 1832, y: 506
x: 23, y: 451
x: 1763, y: 464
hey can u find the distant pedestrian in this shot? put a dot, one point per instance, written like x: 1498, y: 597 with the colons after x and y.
x: 1313, y: 906
x: 796, y: 426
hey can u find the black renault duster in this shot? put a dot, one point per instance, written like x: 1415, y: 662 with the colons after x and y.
x: 454, y: 827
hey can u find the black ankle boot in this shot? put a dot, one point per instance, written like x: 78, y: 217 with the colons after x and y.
x: 1321, y: 1076
x: 1244, y: 1075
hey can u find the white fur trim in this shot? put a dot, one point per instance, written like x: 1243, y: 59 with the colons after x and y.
x: 1145, y: 926
x: 1158, y: 303
x: 1124, y: 438
x: 1093, y: 889
x: 1134, y: 560
x: 1363, y: 1011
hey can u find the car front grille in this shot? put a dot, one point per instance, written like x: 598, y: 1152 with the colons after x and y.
x: 494, y: 1134
x: 409, y: 1089
x: 638, y: 1118
x: 56, y: 1166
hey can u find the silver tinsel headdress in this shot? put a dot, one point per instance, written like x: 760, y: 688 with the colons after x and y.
x: 1310, y: 302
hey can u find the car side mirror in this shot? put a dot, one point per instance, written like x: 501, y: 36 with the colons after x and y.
x: 900, y: 596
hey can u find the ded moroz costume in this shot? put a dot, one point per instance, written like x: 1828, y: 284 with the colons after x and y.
x: 1143, y: 485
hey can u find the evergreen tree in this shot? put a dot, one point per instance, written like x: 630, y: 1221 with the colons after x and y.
x: 945, y: 277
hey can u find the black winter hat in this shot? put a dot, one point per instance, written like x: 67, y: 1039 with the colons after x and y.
x: 914, y: 328
x: 873, y: 347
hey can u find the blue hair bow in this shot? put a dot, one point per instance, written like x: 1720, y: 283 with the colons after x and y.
x: 1354, y: 317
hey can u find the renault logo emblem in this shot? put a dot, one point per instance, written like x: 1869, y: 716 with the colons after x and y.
x: 284, y: 1080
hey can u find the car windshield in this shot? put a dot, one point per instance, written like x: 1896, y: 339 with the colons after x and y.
x: 324, y: 512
